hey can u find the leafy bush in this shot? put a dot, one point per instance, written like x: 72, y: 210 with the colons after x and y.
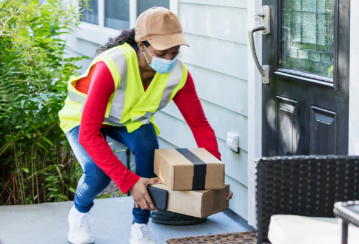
x: 36, y: 163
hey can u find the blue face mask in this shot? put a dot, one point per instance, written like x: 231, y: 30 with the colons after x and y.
x: 161, y: 65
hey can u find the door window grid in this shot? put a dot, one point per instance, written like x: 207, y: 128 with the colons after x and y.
x: 307, y: 36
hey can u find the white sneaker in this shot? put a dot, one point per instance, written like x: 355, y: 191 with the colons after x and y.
x: 140, y: 234
x: 79, y: 223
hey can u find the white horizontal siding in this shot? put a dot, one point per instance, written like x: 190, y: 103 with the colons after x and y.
x: 171, y: 109
x: 227, y: 3
x: 176, y: 132
x: 165, y: 144
x: 239, y: 202
x: 77, y: 47
x: 95, y: 33
x: 84, y: 47
x: 223, y: 23
x: 222, y: 121
x: 82, y: 64
x: 217, y: 61
x: 224, y: 90
x: 236, y: 163
x: 222, y: 56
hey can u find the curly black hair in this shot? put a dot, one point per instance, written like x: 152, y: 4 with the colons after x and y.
x: 127, y: 36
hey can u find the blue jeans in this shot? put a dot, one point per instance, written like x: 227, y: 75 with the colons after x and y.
x: 142, y: 142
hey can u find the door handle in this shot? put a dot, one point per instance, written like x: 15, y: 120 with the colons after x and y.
x: 265, y: 28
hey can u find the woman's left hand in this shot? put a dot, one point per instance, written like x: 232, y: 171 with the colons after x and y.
x: 230, y: 195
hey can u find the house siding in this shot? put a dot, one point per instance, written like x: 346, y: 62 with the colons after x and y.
x: 217, y: 61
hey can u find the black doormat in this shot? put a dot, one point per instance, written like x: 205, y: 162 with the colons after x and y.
x: 238, y: 238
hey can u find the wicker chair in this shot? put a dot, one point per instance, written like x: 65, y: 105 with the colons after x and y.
x: 303, y: 185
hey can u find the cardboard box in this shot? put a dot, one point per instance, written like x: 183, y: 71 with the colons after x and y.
x: 189, y: 169
x: 196, y: 203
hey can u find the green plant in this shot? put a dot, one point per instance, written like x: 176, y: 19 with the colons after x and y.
x: 36, y: 162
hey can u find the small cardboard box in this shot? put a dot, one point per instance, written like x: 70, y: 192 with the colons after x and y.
x: 196, y: 203
x: 185, y: 169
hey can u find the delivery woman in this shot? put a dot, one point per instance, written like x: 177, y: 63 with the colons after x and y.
x: 137, y: 74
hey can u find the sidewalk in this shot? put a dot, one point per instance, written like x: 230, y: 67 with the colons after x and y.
x: 47, y: 223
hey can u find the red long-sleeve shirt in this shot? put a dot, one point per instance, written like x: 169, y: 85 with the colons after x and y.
x: 99, y: 86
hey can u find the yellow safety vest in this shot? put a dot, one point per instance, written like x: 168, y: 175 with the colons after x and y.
x: 129, y: 105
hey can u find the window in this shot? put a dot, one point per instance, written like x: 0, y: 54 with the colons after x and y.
x: 142, y: 6
x: 307, y: 36
x: 117, y: 14
x: 104, y: 19
x: 90, y: 13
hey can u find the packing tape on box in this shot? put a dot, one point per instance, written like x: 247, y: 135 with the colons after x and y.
x: 199, y: 170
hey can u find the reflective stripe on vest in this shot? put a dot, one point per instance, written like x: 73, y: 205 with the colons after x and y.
x: 77, y: 98
x: 171, y: 84
x: 145, y: 118
x: 118, y: 102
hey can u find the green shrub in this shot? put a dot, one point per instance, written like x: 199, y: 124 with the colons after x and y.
x: 36, y: 163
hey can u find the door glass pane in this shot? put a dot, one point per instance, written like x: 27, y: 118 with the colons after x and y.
x: 142, y: 6
x: 117, y: 14
x: 90, y: 13
x: 307, y: 36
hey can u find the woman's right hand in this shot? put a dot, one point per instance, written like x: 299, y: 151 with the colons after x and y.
x: 140, y: 194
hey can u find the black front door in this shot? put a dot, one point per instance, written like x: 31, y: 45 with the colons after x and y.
x: 306, y: 104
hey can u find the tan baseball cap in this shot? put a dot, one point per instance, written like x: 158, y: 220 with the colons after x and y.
x: 160, y: 27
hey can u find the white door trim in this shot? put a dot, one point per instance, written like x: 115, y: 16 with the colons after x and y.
x: 354, y: 81
x: 254, y: 109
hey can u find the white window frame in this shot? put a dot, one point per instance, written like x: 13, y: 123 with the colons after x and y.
x: 99, y: 34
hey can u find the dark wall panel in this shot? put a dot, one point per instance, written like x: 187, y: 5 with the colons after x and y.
x: 323, y: 131
x: 287, y: 126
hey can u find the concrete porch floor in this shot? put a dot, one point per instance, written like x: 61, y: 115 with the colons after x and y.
x: 47, y: 223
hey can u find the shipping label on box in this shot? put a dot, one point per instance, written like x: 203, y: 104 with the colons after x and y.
x: 198, y: 204
x: 189, y: 169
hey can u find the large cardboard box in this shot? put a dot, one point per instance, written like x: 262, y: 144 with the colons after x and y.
x: 196, y: 203
x: 189, y: 169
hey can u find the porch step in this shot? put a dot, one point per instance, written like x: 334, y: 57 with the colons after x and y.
x: 47, y: 223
